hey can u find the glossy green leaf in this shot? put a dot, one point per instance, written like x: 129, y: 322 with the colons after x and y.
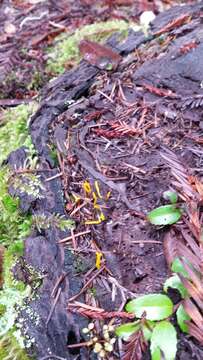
x: 156, y: 354
x: 174, y: 282
x: 177, y: 267
x: 164, y: 338
x: 171, y: 196
x: 126, y: 330
x: 164, y: 215
x: 155, y: 306
x: 182, y: 316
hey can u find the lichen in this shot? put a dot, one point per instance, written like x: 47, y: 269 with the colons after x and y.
x: 66, y: 48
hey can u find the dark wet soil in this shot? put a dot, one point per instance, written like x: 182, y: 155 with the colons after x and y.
x: 107, y: 129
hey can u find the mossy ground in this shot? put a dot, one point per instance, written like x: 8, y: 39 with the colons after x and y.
x: 14, y: 226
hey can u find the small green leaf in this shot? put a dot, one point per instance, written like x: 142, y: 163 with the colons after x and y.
x: 155, y: 306
x: 126, y: 330
x: 177, y: 267
x: 182, y: 316
x: 174, y: 282
x: 164, y: 215
x: 171, y: 196
x: 164, y: 338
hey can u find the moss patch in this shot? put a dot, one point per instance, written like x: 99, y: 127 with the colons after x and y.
x: 66, y: 49
x: 13, y: 134
x: 14, y: 130
x: 14, y: 227
x: 10, y: 349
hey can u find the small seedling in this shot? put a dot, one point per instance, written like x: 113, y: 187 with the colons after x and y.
x: 151, y: 313
x: 166, y: 214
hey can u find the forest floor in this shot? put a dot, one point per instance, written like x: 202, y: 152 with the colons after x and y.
x: 112, y: 135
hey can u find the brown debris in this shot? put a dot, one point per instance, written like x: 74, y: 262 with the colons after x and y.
x: 182, y: 19
x: 99, y: 55
x: 98, y: 313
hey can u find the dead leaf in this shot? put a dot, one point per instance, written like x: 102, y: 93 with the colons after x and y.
x: 99, y: 55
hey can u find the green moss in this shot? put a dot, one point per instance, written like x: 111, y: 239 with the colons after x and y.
x: 13, y: 225
x: 14, y: 130
x: 66, y: 48
x: 13, y: 133
x: 36, y: 82
x: 11, y: 255
x: 10, y: 349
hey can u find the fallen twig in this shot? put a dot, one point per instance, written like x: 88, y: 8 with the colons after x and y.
x: 62, y: 241
x: 98, y: 313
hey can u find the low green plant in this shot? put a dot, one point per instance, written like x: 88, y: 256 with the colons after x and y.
x: 151, y: 318
x: 13, y: 225
x: 10, y: 349
x: 14, y: 129
x: 166, y: 214
x: 43, y: 222
x: 174, y: 282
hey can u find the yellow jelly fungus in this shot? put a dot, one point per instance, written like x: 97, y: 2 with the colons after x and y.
x: 96, y: 206
x: 87, y: 187
x: 108, y: 195
x: 102, y: 217
x: 98, y: 259
x: 96, y: 184
x: 92, y: 222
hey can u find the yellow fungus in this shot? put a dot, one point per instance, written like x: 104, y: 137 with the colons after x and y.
x: 87, y: 187
x: 98, y: 259
x: 96, y: 184
x: 108, y: 195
